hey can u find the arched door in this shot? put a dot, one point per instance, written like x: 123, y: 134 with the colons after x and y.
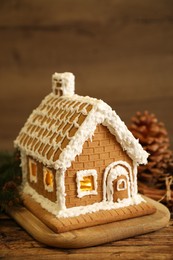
x: 118, y: 185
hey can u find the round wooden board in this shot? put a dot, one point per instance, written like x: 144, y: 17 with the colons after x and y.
x: 91, y: 236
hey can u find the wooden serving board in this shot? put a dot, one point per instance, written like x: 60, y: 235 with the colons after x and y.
x: 91, y: 236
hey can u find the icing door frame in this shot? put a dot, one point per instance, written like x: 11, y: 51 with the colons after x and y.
x: 116, y: 175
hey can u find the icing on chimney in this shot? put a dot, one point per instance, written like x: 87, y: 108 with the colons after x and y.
x: 63, y: 84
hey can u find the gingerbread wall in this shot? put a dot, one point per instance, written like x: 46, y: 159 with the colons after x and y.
x: 39, y: 186
x: 98, y: 154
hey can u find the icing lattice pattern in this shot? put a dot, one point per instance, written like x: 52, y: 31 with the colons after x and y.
x: 51, y: 126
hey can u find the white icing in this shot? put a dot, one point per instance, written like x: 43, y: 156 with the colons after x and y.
x: 32, y: 177
x: 79, y: 178
x: 52, y: 207
x: 135, y: 184
x: 108, y: 178
x: 76, y: 211
x: 66, y: 82
x: 60, y: 190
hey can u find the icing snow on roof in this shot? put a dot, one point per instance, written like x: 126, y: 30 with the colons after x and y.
x: 56, y: 131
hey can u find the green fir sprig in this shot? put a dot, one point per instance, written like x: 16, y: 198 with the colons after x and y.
x: 10, y: 178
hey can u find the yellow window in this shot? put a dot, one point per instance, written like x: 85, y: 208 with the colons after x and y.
x: 87, y: 184
x: 48, y: 179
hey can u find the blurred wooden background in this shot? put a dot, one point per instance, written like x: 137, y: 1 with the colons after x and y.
x: 120, y: 51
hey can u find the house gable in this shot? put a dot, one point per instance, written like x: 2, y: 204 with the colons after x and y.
x: 96, y: 155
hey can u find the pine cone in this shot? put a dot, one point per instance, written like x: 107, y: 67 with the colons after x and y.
x: 154, y: 138
x: 10, y: 186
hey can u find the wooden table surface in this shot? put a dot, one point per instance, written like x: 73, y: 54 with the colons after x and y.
x: 15, y: 243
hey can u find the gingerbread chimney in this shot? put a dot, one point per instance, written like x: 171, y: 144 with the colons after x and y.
x: 63, y: 84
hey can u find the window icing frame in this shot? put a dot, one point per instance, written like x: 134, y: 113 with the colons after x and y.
x: 49, y: 188
x: 32, y: 177
x: 79, y: 177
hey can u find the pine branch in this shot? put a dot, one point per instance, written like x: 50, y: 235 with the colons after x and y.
x: 10, y: 178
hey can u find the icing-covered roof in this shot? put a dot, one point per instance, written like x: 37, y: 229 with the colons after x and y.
x: 57, y: 129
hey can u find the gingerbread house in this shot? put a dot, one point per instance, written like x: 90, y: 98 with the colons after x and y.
x: 77, y: 155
